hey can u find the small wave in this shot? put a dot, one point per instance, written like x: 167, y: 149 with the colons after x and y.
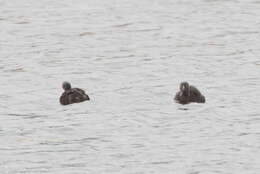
x: 123, y: 25
x: 145, y: 30
x: 23, y: 22
x: 86, y: 33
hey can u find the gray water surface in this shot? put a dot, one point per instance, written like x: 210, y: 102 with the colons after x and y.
x: 130, y: 57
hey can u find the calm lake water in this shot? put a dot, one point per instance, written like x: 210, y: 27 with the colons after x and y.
x: 130, y: 57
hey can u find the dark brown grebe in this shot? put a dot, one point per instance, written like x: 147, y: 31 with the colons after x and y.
x: 188, y: 94
x: 72, y: 95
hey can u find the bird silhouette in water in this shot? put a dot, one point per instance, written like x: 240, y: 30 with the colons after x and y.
x: 72, y: 95
x: 188, y: 94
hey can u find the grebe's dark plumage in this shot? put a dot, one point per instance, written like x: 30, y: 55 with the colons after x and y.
x: 72, y: 95
x: 188, y: 94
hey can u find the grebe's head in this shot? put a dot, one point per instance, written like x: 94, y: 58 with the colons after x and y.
x: 66, y: 86
x: 185, y: 87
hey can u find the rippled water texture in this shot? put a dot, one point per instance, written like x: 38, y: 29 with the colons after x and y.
x: 130, y: 57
